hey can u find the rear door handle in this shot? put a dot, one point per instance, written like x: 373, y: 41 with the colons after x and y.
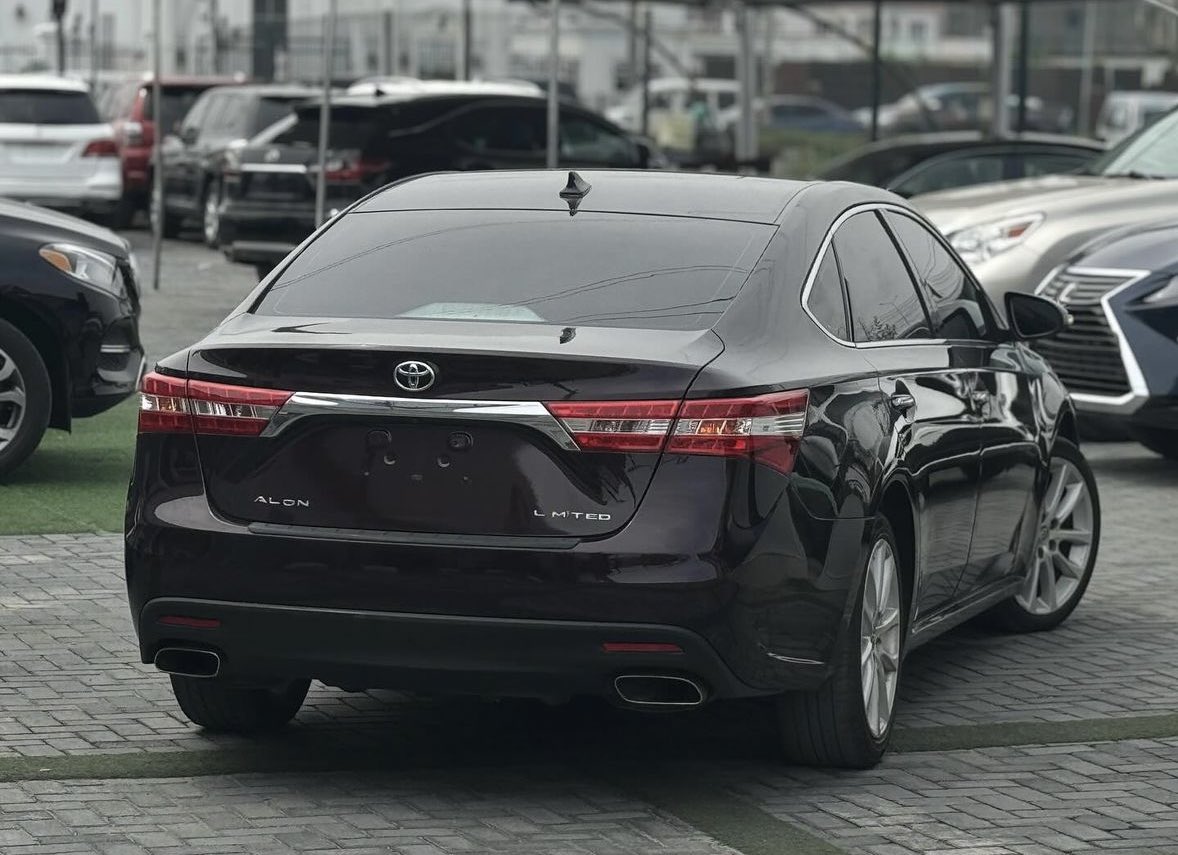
x: 902, y: 402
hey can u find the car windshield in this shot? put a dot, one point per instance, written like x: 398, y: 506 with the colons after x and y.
x: 47, y: 107
x: 604, y: 270
x: 1150, y: 153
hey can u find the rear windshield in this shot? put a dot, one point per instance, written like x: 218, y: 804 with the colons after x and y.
x: 271, y: 110
x: 603, y: 270
x: 46, y: 107
x: 174, y: 104
x: 350, y: 127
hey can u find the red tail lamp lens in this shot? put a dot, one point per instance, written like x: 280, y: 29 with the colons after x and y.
x: 170, y: 404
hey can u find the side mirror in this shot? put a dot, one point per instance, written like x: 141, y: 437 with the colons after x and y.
x: 1032, y: 316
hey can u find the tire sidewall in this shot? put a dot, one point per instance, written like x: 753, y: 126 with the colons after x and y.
x: 38, y: 397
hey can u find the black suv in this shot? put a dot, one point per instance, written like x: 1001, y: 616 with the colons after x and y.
x: 220, y: 120
x: 69, y: 325
x: 269, y: 198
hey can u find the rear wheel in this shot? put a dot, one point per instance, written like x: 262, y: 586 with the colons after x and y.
x: 211, y: 214
x: 222, y: 707
x: 1065, y: 548
x: 171, y: 223
x: 1163, y: 442
x: 25, y: 398
x: 123, y: 214
x: 847, y: 722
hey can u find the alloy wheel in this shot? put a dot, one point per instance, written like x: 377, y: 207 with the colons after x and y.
x: 879, y: 644
x: 1063, y: 545
x: 12, y: 400
x: 212, y: 216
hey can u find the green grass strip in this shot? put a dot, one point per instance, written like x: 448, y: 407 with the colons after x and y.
x: 74, y: 481
x: 724, y: 817
x: 1006, y: 735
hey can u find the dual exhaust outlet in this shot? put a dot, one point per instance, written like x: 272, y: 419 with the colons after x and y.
x: 648, y: 691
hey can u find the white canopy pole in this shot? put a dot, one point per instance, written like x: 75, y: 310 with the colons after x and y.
x: 325, y: 115
x: 157, y: 149
x: 746, y: 137
x: 554, y: 84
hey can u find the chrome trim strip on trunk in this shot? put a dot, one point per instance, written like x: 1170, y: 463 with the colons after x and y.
x: 529, y: 414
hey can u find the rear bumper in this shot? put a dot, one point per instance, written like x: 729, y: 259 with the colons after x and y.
x: 430, y: 653
x: 100, y: 190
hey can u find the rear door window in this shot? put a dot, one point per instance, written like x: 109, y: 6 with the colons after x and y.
x: 604, y: 270
x: 47, y: 107
x: 884, y: 303
x: 585, y: 141
x: 954, y: 300
x: 518, y: 130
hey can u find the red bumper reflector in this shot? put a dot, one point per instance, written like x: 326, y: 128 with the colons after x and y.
x: 640, y: 647
x: 189, y: 622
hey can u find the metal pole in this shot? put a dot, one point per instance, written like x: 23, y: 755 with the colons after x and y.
x: 215, y: 36
x: 467, y: 32
x: 632, y: 45
x: 157, y: 148
x: 1087, y: 66
x: 554, y: 84
x: 93, y: 45
x: 1000, y: 64
x: 1024, y: 62
x: 325, y: 115
x: 647, y: 40
x: 61, y: 44
x: 876, y: 67
x: 746, y: 61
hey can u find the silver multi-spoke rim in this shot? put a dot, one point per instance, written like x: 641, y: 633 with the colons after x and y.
x: 212, y: 217
x: 1064, y: 542
x: 879, y: 645
x: 12, y: 400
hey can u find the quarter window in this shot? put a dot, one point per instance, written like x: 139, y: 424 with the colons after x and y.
x: 826, y: 298
x: 954, y: 301
x: 884, y: 302
x: 503, y: 129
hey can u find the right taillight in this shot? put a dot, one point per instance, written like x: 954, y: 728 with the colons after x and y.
x: 765, y: 428
x: 175, y: 405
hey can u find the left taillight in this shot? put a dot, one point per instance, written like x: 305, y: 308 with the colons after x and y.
x: 765, y: 429
x: 174, y: 405
x: 101, y: 148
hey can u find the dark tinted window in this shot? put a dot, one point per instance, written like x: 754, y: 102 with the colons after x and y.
x: 953, y: 170
x: 1053, y: 162
x: 585, y: 141
x: 952, y: 297
x: 175, y: 104
x: 826, y: 298
x: 876, y: 168
x: 46, y: 107
x: 884, y: 303
x: 269, y: 111
x: 350, y: 128
x: 509, y: 129
x: 604, y: 270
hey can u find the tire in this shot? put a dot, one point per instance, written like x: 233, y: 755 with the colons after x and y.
x: 211, y: 216
x: 26, y: 397
x: 1163, y: 442
x: 830, y: 726
x: 224, y: 708
x: 1041, y: 606
x: 123, y: 214
x: 171, y: 224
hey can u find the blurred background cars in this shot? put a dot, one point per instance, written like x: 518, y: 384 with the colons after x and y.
x: 961, y: 106
x: 221, y: 120
x: 1124, y: 113
x: 69, y: 325
x: 1119, y: 357
x: 1013, y: 233
x: 54, y: 147
x: 682, y: 116
x: 129, y: 108
x: 796, y: 113
x: 269, y: 185
x: 923, y: 163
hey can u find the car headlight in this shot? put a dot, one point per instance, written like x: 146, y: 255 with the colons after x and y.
x: 977, y: 243
x: 87, y: 265
x: 1168, y: 293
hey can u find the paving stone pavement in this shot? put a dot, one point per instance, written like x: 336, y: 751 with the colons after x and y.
x: 505, y: 811
x: 1081, y: 799
x: 70, y: 685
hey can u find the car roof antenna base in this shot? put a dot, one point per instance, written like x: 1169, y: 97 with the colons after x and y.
x: 574, y: 191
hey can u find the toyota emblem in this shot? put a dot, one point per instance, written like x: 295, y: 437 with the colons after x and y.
x: 413, y: 376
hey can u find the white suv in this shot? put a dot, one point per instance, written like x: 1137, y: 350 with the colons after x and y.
x: 54, y: 148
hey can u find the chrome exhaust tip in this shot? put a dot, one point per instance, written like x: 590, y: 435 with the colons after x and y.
x: 662, y: 691
x: 188, y: 662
